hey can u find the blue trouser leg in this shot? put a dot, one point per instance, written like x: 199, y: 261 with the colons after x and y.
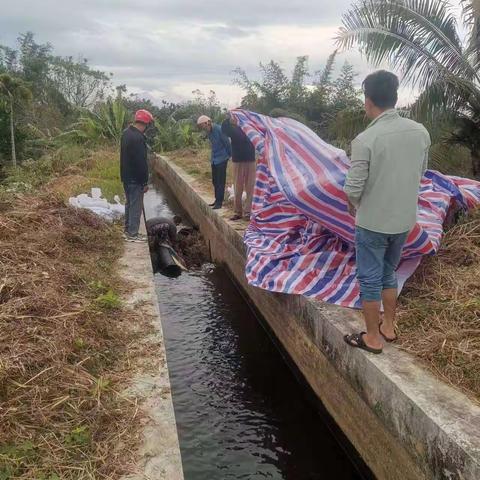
x: 127, y: 207
x: 133, y: 207
x: 378, y: 256
x: 219, y: 178
x: 214, y: 181
x: 392, y: 259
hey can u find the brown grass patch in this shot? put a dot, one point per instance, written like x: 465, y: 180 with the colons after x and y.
x: 65, y: 345
x: 439, y: 319
x: 65, y: 184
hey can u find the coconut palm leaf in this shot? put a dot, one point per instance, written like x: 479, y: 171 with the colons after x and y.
x: 471, y: 20
x: 418, y: 36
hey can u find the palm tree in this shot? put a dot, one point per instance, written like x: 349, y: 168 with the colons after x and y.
x: 421, y: 39
x: 13, y: 90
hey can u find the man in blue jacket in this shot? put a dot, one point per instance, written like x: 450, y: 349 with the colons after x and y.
x: 221, y: 152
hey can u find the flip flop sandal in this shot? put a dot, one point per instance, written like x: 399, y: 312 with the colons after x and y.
x: 356, y: 340
x: 387, y: 339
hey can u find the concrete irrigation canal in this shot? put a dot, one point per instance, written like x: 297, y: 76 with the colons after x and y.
x: 263, y: 385
x: 240, y: 411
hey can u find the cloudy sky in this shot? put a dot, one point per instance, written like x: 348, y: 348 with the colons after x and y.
x: 167, y: 48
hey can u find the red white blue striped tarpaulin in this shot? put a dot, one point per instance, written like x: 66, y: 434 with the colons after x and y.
x: 301, y: 237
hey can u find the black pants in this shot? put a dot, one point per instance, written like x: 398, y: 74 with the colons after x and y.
x: 219, y: 177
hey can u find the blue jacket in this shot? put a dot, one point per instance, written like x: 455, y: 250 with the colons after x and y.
x: 221, y: 148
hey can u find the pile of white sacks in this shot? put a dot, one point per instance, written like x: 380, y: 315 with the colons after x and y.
x: 96, y: 204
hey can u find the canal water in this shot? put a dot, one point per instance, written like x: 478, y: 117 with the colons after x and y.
x: 240, y: 411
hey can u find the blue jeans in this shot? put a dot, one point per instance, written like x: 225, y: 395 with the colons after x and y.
x: 133, y: 207
x: 378, y: 256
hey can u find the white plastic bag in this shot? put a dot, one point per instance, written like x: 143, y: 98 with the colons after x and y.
x: 98, y: 205
x: 231, y: 194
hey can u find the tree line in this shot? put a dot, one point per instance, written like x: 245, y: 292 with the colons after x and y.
x: 46, y: 99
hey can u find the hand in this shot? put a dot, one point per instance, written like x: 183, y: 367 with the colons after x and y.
x: 145, y: 189
x: 352, y: 209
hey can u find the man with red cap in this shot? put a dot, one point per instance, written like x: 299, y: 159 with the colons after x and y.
x: 134, y: 172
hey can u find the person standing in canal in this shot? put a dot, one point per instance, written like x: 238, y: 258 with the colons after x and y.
x: 388, y: 161
x: 221, y: 152
x: 134, y: 172
x: 244, y: 167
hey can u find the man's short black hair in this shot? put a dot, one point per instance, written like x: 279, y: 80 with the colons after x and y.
x: 381, y: 88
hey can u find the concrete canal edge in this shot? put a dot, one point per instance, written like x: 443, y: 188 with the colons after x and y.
x: 159, y: 452
x: 404, y: 422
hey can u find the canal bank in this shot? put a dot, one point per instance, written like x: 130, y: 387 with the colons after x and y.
x: 240, y: 412
x: 403, y: 422
x: 159, y: 454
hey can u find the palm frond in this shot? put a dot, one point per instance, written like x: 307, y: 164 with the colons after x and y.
x: 471, y: 20
x: 442, y: 99
x: 107, y: 123
x: 419, y: 37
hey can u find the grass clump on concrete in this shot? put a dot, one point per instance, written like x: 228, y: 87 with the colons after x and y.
x: 66, y: 344
x: 440, y: 310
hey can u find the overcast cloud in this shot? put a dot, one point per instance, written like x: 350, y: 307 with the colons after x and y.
x: 167, y: 48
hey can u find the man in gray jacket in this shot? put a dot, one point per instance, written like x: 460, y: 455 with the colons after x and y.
x: 388, y: 161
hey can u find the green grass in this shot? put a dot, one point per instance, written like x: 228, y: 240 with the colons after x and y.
x: 91, y: 168
x: 104, y: 172
x: 108, y: 301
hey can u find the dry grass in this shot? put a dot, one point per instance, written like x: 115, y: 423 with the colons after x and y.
x: 65, y: 345
x: 64, y: 185
x: 439, y: 320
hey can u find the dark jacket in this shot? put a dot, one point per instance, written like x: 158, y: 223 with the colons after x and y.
x: 242, y: 148
x: 133, y: 157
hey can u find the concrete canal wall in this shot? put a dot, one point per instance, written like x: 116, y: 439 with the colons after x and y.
x: 406, y: 424
x: 159, y: 455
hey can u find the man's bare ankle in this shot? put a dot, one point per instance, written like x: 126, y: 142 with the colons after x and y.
x: 373, y: 340
x: 387, y: 325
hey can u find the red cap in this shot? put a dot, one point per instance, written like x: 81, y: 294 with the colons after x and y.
x: 143, y: 116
